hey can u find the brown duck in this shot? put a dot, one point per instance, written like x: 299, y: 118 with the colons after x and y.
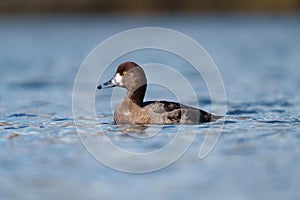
x: 132, y: 110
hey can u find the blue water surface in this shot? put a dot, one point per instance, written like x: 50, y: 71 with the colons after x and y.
x: 256, y: 157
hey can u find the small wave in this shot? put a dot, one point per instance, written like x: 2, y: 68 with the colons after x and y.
x: 274, y: 121
x: 62, y: 119
x: 16, y: 127
x: 229, y: 122
x: 240, y: 112
x: 21, y: 115
x: 278, y: 111
x: 282, y: 103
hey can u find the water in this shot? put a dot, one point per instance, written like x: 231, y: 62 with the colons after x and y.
x: 257, y: 155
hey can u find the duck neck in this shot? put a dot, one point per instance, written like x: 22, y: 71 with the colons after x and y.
x: 137, y: 96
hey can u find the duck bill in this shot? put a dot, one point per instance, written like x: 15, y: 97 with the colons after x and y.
x: 108, y: 84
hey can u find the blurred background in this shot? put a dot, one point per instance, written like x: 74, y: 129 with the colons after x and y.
x: 147, y: 6
x: 254, y: 43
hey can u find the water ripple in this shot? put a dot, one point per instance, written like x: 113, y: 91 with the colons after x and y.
x: 241, y: 112
x: 21, y: 115
x: 62, y: 119
x: 15, y: 127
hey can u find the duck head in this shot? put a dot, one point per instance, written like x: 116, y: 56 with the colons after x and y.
x: 129, y: 75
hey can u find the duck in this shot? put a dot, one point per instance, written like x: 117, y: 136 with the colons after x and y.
x: 133, y: 110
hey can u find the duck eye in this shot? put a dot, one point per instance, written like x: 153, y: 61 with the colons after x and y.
x: 124, y: 72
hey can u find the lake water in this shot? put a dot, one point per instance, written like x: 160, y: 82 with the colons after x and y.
x: 256, y: 157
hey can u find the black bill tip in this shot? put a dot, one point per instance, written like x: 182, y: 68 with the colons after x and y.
x: 99, y: 87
